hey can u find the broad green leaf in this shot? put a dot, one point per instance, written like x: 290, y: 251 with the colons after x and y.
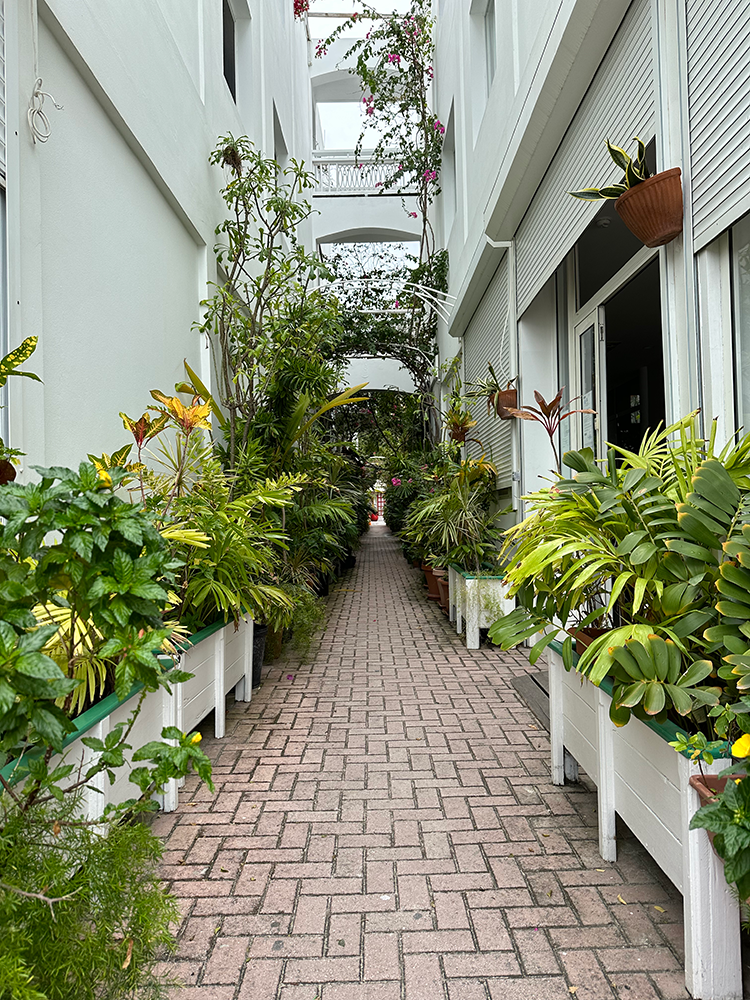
x: 695, y: 673
x: 655, y: 698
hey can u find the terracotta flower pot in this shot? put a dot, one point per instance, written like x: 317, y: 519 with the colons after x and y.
x: 433, y: 594
x: 459, y: 434
x: 502, y: 400
x: 444, y: 592
x: 708, y: 786
x: 585, y: 636
x: 652, y: 210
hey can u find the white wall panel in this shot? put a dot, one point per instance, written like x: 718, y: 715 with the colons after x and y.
x: 120, y: 276
x: 488, y: 339
x: 719, y: 96
x: 2, y: 90
x: 619, y: 104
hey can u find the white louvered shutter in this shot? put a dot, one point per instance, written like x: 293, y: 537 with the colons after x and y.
x: 719, y: 94
x: 2, y: 90
x: 619, y: 104
x: 488, y: 339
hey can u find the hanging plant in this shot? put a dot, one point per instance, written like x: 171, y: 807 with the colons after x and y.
x: 651, y: 207
x: 301, y: 7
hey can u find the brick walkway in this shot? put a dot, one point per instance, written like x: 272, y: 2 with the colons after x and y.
x: 385, y: 828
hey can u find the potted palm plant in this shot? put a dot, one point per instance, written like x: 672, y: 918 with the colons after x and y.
x: 650, y: 206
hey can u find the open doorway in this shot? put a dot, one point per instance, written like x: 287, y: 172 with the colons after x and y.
x: 634, y: 395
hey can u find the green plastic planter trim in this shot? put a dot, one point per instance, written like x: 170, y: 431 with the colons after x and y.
x: 668, y: 731
x: 94, y: 715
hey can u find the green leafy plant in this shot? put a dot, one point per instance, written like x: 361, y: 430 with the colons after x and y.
x: 728, y: 818
x: 649, y: 541
x: 455, y: 525
x: 635, y: 171
x: 93, y: 920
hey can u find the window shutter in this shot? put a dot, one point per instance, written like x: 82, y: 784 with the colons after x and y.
x: 718, y: 38
x: 488, y: 339
x: 619, y: 104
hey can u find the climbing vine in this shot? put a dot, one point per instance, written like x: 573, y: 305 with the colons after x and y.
x: 394, y: 65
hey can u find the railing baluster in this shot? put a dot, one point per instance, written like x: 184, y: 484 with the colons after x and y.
x: 342, y: 173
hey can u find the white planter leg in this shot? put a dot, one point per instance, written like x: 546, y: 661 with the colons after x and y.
x: 472, y: 614
x: 178, y: 714
x: 220, y: 706
x: 555, y: 668
x: 168, y: 799
x: 95, y: 796
x: 244, y: 690
x: 605, y: 785
x: 713, y: 968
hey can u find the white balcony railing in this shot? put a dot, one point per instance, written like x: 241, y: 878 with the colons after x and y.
x: 339, y: 172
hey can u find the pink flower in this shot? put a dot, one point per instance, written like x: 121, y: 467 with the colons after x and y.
x: 395, y: 481
x: 412, y: 215
x: 394, y: 57
x: 396, y: 304
x: 430, y: 175
x: 437, y: 124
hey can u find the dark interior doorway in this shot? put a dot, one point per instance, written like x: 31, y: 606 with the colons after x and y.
x: 635, y: 364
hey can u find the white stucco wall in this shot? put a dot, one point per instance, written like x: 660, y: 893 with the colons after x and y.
x: 111, y: 222
x: 120, y: 276
x: 379, y: 373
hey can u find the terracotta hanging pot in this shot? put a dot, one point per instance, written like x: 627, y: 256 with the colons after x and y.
x: 502, y: 401
x: 459, y: 434
x: 652, y: 210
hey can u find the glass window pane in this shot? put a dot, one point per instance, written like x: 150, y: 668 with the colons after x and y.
x: 588, y: 388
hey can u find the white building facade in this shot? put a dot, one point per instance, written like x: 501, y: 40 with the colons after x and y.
x: 110, y: 221
x: 557, y: 291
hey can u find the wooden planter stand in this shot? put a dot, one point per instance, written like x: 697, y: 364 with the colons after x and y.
x: 477, y: 601
x: 641, y: 778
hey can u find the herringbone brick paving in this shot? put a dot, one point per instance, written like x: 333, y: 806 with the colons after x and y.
x: 385, y: 828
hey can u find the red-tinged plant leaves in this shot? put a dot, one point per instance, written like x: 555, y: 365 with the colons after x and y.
x: 555, y: 404
x: 543, y: 405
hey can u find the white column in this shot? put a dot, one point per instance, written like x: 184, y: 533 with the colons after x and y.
x: 713, y: 968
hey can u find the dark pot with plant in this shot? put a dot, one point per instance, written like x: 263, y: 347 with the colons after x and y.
x: 259, y: 650
x: 650, y: 206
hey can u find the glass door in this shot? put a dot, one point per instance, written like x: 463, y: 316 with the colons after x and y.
x: 588, y: 364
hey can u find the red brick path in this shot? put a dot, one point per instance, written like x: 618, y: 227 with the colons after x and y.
x: 384, y: 828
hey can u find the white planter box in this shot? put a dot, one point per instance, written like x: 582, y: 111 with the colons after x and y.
x: 220, y: 659
x: 476, y: 601
x: 640, y: 777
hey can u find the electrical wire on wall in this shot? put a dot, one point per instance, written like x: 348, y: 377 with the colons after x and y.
x: 39, y: 123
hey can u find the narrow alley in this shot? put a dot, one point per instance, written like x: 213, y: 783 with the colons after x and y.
x: 384, y: 828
